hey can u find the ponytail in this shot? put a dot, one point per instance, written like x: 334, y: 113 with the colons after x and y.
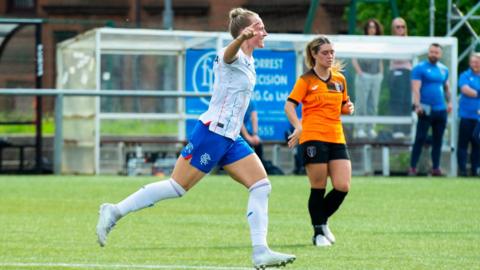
x: 313, y: 47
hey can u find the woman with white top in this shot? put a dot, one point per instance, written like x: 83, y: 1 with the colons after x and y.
x: 215, y: 141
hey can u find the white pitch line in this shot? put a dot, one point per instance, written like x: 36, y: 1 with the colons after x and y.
x: 118, y: 266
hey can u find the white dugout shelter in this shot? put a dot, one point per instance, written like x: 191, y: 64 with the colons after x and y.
x: 139, y: 59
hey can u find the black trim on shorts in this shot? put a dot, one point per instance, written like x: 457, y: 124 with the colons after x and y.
x: 323, y: 152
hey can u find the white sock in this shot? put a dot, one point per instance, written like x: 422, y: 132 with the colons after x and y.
x: 257, y: 213
x: 150, y: 194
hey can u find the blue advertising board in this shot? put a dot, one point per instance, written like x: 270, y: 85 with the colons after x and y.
x: 275, y: 79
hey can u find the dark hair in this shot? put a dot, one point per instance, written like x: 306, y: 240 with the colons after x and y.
x: 378, y: 27
x: 239, y: 19
x: 436, y: 45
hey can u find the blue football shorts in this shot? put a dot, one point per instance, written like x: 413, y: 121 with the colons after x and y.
x: 207, y: 149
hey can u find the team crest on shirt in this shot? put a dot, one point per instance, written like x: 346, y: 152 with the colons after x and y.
x: 335, y: 87
x: 311, y: 151
x: 205, y: 159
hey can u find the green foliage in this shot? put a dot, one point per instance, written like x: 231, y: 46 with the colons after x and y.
x: 139, y: 127
x: 417, y: 15
x: 384, y: 223
x: 48, y: 127
x: 123, y: 127
x: 400, y: 162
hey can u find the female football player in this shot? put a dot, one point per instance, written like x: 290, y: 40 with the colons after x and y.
x: 322, y: 91
x: 215, y: 141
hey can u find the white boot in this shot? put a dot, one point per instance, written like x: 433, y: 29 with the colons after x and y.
x: 327, y: 233
x: 268, y: 258
x: 321, y: 241
x: 107, y: 218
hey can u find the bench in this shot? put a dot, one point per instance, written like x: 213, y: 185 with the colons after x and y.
x: 21, y: 148
x: 127, y: 147
x: 123, y: 143
x: 368, y: 145
x: 276, y: 146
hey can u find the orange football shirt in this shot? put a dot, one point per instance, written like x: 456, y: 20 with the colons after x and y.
x: 321, y: 106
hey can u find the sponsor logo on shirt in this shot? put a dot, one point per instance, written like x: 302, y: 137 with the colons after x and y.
x: 335, y: 87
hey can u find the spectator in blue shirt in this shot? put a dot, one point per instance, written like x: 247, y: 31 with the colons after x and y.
x: 432, y: 103
x: 249, y: 129
x: 468, y: 111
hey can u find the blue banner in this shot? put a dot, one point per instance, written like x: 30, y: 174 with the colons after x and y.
x: 275, y: 79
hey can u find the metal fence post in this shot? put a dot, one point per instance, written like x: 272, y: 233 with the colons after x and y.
x: 58, y: 141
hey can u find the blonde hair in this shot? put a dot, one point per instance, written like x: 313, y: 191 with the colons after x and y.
x: 239, y: 19
x: 400, y: 19
x: 313, y: 47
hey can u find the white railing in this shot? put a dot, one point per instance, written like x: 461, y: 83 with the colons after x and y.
x: 60, y: 93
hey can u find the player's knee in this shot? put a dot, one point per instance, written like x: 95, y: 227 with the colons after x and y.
x: 343, y: 186
x: 179, y: 189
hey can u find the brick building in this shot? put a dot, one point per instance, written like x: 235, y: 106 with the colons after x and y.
x: 67, y: 18
x: 63, y: 19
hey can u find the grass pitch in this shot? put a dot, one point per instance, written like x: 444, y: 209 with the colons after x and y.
x: 48, y: 222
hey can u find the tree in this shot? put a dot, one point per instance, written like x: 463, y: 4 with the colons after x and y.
x: 417, y: 13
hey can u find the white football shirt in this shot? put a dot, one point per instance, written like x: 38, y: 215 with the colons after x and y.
x: 232, y: 90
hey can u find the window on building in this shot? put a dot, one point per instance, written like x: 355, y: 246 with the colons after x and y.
x: 59, y: 36
x: 21, y: 6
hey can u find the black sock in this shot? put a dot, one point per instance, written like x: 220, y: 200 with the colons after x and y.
x: 315, y: 206
x: 332, y: 202
x: 317, y: 229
